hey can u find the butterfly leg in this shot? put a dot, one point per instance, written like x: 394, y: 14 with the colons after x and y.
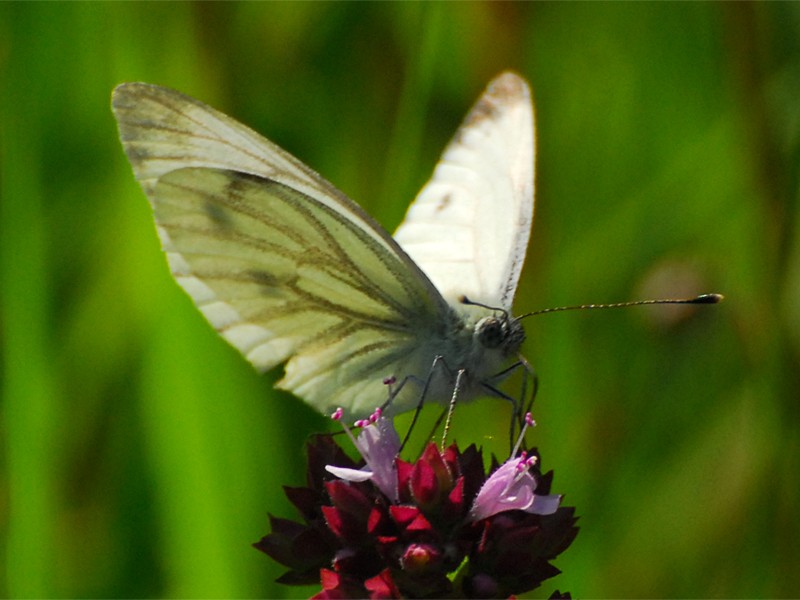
x: 425, y: 387
x: 518, y: 414
x: 439, y: 360
x: 438, y: 363
x: 451, y: 408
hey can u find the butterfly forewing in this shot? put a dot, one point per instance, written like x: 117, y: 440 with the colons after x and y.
x: 468, y: 228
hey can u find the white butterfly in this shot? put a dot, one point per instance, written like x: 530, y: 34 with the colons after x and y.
x: 286, y: 267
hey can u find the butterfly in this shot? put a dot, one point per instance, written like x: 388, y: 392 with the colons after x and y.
x: 288, y: 269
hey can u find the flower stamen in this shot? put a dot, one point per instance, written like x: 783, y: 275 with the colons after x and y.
x: 338, y: 415
x: 529, y: 422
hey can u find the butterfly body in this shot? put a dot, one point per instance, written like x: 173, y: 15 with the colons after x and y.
x: 288, y: 269
x: 478, y: 346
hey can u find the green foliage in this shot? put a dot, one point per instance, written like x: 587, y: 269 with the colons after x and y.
x: 141, y: 455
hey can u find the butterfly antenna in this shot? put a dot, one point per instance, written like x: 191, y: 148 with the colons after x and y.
x: 702, y: 299
x: 468, y: 302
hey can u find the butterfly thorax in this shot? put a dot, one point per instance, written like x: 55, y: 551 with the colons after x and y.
x: 479, y: 344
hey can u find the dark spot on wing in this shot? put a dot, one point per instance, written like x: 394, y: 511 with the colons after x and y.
x: 218, y: 215
x: 137, y: 154
x: 443, y: 203
x: 485, y: 109
x: 270, y: 284
x: 263, y: 277
x: 505, y: 90
x: 237, y: 183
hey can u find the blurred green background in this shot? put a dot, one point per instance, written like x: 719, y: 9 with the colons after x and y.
x: 141, y: 455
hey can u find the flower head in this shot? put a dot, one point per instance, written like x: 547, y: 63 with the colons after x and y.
x: 436, y: 527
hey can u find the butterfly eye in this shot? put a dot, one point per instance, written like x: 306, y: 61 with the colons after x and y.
x: 491, y: 332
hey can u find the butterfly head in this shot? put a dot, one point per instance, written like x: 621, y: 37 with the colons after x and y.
x: 503, y: 332
x: 499, y: 331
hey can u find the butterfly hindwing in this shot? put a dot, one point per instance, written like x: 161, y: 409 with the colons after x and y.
x: 281, y: 276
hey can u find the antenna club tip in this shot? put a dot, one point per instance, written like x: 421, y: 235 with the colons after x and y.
x: 708, y: 299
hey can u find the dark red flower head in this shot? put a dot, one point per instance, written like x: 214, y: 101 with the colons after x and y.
x: 435, y: 528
